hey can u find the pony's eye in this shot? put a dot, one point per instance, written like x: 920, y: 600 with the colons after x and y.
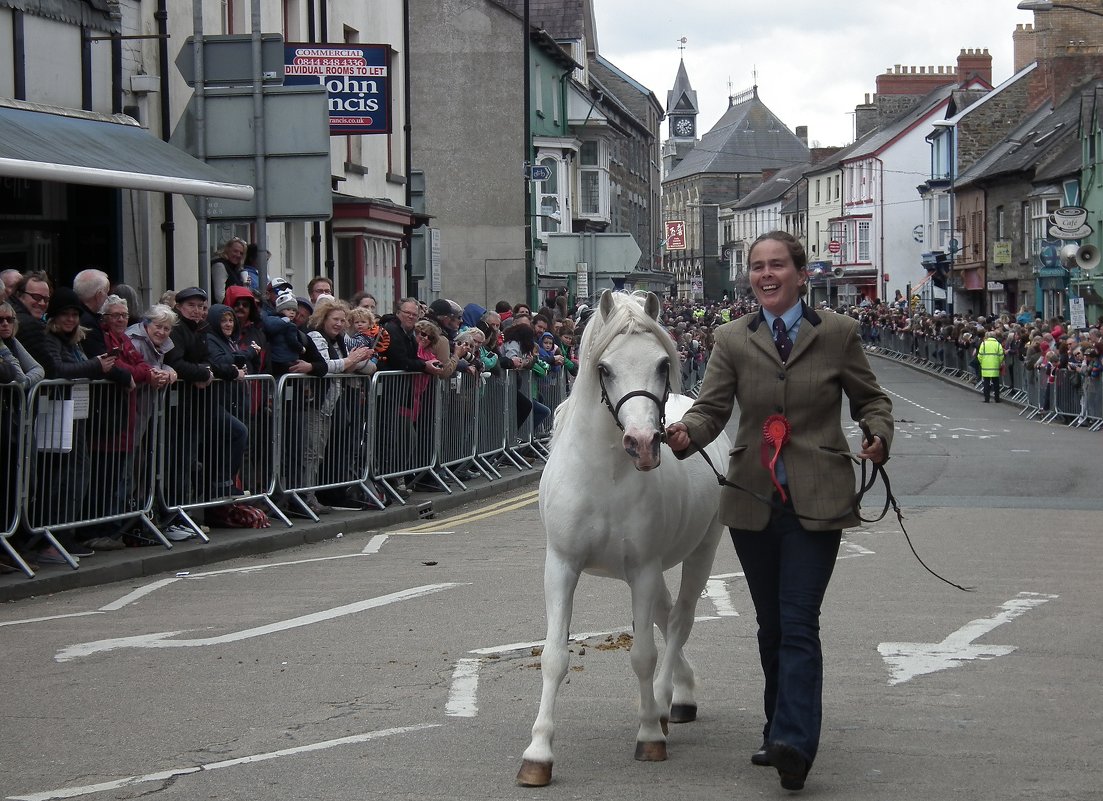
x: 603, y: 370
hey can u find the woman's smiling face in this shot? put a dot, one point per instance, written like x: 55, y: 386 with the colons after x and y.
x: 775, y: 279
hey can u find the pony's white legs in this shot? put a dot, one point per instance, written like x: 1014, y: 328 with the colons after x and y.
x: 560, y: 581
x: 648, y: 588
x: 675, y: 681
x: 676, y: 669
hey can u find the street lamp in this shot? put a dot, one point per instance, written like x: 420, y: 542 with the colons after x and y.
x: 1047, y: 5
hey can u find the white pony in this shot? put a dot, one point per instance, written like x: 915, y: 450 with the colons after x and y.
x: 612, y: 506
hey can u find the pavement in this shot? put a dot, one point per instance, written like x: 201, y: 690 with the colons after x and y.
x: 230, y: 543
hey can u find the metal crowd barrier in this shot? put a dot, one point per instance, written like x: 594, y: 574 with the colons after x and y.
x: 1093, y: 403
x: 325, y: 437
x: 407, y: 429
x: 458, y: 443
x: 552, y: 390
x: 13, y: 441
x: 207, y: 457
x: 522, y: 444
x: 492, y: 415
x: 1073, y: 397
x: 81, y: 454
x: 88, y: 460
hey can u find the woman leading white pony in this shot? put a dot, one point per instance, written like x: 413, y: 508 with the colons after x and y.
x: 613, y: 506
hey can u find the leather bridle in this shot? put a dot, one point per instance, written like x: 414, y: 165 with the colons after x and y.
x: 636, y: 393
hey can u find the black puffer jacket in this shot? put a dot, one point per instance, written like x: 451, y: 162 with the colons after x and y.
x: 190, y: 357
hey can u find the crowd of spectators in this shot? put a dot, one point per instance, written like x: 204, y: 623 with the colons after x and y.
x: 205, y: 351
x: 1043, y: 345
x: 93, y: 330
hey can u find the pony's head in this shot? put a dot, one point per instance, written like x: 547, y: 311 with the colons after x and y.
x: 629, y: 362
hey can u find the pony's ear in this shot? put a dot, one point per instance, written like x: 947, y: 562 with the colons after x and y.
x: 652, y: 306
x: 606, y: 303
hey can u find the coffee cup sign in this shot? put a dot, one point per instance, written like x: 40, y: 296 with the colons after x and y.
x: 1070, y: 222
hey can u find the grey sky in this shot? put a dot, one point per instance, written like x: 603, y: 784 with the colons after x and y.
x: 815, y: 60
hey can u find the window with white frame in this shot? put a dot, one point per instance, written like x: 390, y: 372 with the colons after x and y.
x: 940, y: 156
x: 1040, y: 209
x: 738, y: 267
x: 550, y: 202
x: 938, y: 216
x: 863, y: 240
x: 593, y: 179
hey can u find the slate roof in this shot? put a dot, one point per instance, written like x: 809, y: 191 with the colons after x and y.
x: 683, y: 97
x: 631, y: 94
x: 749, y: 138
x: 774, y: 187
x: 883, y: 136
x: 563, y: 19
x: 1038, y: 144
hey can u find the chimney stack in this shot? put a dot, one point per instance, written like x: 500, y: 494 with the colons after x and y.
x: 1025, y: 46
x: 802, y: 134
x: 974, y: 62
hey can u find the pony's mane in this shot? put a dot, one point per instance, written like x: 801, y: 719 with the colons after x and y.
x: 627, y: 317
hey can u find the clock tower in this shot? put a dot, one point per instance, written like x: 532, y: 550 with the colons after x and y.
x: 681, y: 118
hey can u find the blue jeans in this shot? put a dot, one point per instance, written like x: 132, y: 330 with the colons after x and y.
x: 787, y: 570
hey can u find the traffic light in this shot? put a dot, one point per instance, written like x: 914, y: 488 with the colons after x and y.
x: 937, y: 263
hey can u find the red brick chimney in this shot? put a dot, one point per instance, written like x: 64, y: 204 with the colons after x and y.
x: 915, y: 80
x: 974, y: 62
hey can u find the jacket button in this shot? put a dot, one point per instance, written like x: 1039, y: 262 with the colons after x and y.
x: 781, y: 376
x: 779, y: 409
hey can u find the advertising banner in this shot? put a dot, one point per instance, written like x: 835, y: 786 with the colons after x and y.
x: 356, y: 78
x: 675, y: 235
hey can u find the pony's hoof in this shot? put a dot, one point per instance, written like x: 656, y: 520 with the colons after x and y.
x: 534, y: 774
x: 651, y: 752
x: 683, y: 713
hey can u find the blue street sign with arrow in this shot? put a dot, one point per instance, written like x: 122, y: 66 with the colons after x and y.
x: 539, y: 172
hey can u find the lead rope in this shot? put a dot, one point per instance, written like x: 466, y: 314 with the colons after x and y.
x: 866, y: 485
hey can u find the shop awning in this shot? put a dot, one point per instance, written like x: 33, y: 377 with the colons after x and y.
x: 44, y: 143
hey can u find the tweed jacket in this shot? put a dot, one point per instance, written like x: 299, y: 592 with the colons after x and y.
x: 827, y: 360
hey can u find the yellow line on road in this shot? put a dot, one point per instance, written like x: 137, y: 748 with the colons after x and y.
x: 483, y: 512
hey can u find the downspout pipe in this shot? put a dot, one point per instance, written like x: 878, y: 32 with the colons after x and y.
x: 530, y: 284
x: 18, y: 55
x: 168, y: 226
x: 408, y: 135
x: 315, y: 226
x: 323, y: 32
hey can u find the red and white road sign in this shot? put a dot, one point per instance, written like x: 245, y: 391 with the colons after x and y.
x: 834, y: 246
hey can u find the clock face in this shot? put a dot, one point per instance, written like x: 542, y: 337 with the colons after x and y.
x: 683, y: 126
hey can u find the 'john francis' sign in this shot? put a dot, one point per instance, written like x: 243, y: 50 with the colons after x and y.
x: 357, y: 78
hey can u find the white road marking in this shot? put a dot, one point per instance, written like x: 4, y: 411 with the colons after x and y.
x: 164, y: 775
x: 464, y: 690
x: 48, y: 618
x: 916, y: 405
x: 907, y: 660
x: 136, y: 594
x: 374, y: 544
x: 853, y: 549
x: 419, y: 532
x: 717, y: 592
x: 160, y: 639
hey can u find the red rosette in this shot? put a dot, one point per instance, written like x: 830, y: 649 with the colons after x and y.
x: 775, y: 433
